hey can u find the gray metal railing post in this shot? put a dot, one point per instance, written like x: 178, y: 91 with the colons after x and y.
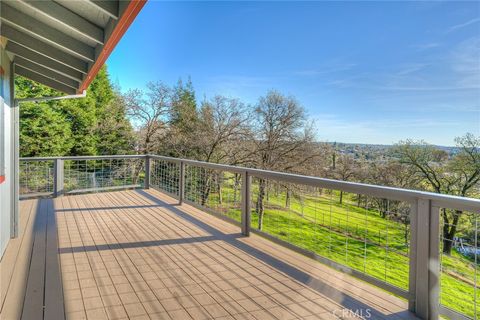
x: 246, y: 189
x: 147, y: 172
x: 181, y: 183
x: 424, y: 277
x: 58, y: 181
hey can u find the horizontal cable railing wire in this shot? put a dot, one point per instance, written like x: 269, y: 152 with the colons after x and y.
x: 392, y: 193
x: 103, y: 174
x: 37, y: 177
x: 459, y: 262
x: 165, y: 176
x: 215, y: 190
x: 42, y: 176
x: 394, y: 238
x: 364, y: 233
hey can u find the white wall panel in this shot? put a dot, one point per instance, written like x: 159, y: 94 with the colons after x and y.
x: 6, y: 187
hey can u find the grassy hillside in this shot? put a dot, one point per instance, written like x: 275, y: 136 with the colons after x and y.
x: 351, y: 235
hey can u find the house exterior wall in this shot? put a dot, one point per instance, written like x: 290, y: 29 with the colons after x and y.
x: 6, y: 186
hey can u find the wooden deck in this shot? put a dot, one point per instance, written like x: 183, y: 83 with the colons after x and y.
x: 137, y: 255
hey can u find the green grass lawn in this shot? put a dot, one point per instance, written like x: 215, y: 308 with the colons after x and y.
x: 350, y: 235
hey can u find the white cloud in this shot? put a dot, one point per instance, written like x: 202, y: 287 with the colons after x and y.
x: 426, y: 46
x: 331, y: 128
x: 411, y: 68
x: 326, y: 69
x: 462, y: 25
x: 455, y: 70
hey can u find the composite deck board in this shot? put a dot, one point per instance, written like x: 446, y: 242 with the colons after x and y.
x: 15, y: 263
x: 34, y: 296
x: 328, y: 276
x: 53, y: 282
x: 333, y: 283
x: 138, y: 255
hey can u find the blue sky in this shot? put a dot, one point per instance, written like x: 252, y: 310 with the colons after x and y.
x: 367, y: 72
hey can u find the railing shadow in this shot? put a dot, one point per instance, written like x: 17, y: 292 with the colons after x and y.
x: 110, y: 208
x: 139, y: 244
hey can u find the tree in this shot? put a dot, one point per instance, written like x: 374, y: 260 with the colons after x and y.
x: 282, y: 139
x: 114, y: 132
x: 344, y: 170
x: 43, y: 131
x: 394, y: 174
x: 93, y: 125
x: 81, y: 114
x: 183, y: 112
x: 458, y: 175
x: 223, y: 126
x: 183, y: 123
x: 148, y: 111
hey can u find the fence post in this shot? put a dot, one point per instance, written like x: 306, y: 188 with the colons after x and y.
x: 246, y: 188
x: 181, y: 183
x: 58, y: 178
x: 424, y: 277
x: 147, y: 172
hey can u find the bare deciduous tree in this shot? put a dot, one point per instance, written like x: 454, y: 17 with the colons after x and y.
x: 283, y: 139
x: 148, y: 111
x: 224, y: 126
x: 458, y: 175
x: 222, y: 130
x: 345, y: 169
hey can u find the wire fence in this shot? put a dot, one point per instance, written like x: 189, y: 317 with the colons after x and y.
x: 215, y: 190
x: 165, y: 176
x: 36, y: 177
x: 367, y: 234
x: 353, y: 227
x: 103, y: 174
x: 459, y: 261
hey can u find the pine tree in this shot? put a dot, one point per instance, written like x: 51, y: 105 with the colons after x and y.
x: 97, y: 124
x: 184, y: 121
x: 113, y: 129
x: 183, y: 114
x: 44, y: 131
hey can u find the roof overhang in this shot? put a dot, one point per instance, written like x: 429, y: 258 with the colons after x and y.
x: 64, y: 43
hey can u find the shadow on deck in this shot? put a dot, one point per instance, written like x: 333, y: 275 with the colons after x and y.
x: 136, y: 254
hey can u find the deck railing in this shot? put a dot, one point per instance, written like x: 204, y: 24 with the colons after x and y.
x: 394, y: 238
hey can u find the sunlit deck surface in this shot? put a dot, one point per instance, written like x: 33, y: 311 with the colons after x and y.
x: 138, y: 255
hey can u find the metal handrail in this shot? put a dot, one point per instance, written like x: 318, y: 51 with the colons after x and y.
x: 128, y: 156
x: 392, y: 193
x: 423, y: 291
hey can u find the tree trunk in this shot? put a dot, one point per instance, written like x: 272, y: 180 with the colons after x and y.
x: 302, y: 203
x: 449, y: 230
x: 235, y: 186
x: 137, y: 168
x: 219, y: 188
x: 205, y: 189
x: 341, y: 197
x: 383, y: 208
x: 267, y: 194
x: 287, y: 198
x: 260, y: 202
x: 406, y: 230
